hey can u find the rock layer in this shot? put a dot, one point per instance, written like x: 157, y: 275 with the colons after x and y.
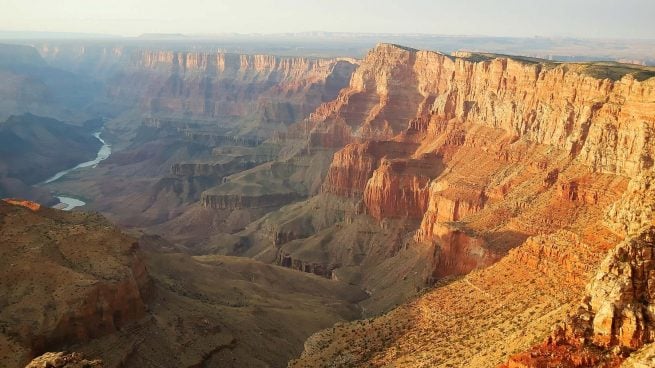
x: 206, y: 85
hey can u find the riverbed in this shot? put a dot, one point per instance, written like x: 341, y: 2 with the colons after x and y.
x: 69, y: 202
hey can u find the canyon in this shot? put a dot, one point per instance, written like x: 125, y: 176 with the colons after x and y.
x: 510, y: 165
x: 412, y: 208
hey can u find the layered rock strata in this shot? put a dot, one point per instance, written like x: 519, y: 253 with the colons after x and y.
x: 543, y: 165
x: 169, y: 83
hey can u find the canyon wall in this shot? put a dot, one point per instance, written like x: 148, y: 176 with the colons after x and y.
x: 276, y: 89
x: 598, y: 114
x: 204, y: 85
x: 541, y: 165
x: 31, y: 85
x: 509, y: 113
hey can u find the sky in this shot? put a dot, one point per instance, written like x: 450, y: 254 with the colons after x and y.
x: 520, y: 18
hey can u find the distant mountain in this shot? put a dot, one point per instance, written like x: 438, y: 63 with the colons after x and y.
x: 160, y: 36
x: 31, y: 35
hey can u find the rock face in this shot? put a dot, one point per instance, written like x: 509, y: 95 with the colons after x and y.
x: 450, y: 107
x: 286, y: 260
x: 565, y: 106
x: 205, y: 84
x: 381, y: 99
x: 636, y: 208
x: 352, y: 167
x: 503, y: 147
x: 400, y: 188
x: 448, y: 204
x: 620, y: 295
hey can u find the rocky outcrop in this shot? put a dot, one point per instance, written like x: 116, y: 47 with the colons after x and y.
x: 400, y: 188
x: 23, y: 203
x: 448, y: 204
x: 241, y: 201
x: 636, y: 207
x: 77, y: 292
x: 286, y: 260
x: 614, y: 318
x: 352, y: 167
x: 63, y: 360
x: 619, y: 298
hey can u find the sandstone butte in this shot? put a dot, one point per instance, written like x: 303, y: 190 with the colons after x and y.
x: 532, y: 178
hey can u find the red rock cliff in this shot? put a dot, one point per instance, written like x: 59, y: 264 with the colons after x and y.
x: 513, y: 116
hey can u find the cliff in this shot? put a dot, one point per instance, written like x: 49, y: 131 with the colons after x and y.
x: 241, y: 201
x: 516, y: 116
x: 352, y: 167
x: 255, y: 89
x: 400, y: 188
x: 277, y: 89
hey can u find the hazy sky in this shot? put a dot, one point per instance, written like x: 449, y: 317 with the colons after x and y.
x: 582, y: 18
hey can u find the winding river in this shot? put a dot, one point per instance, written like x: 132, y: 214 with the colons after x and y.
x: 68, y: 203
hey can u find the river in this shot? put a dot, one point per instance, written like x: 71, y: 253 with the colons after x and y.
x: 67, y: 203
